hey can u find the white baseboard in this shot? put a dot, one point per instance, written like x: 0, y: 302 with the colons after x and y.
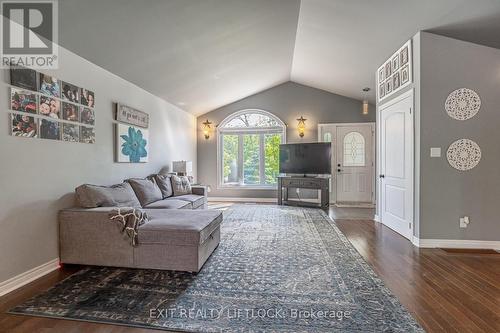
x: 226, y: 199
x: 376, y: 218
x: 456, y: 243
x: 24, y: 278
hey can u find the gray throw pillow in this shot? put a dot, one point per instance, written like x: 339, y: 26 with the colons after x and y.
x: 146, y: 190
x: 119, y: 195
x: 180, y: 185
x: 163, y: 182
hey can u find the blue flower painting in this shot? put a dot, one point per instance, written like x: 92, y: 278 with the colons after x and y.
x: 132, y: 144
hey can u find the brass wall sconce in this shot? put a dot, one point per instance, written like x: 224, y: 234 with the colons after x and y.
x: 301, y: 126
x: 206, y: 129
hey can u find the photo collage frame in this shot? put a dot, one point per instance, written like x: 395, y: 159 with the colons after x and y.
x: 395, y: 73
x: 43, y: 106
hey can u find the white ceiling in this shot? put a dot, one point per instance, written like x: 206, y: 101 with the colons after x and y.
x: 203, y: 54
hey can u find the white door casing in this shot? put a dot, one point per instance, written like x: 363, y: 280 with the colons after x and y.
x: 354, y: 168
x: 396, y: 165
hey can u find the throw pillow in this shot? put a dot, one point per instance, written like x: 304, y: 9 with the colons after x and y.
x: 146, y: 190
x: 180, y: 185
x: 119, y: 195
x: 165, y: 185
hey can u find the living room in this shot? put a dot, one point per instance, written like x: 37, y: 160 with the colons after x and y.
x: 249, y: 166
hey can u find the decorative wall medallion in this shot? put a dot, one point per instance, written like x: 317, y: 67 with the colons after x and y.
x: 462, y: 104
x: 464, y: 154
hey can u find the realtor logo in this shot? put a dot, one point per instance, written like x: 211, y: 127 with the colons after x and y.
x: 29, y: 34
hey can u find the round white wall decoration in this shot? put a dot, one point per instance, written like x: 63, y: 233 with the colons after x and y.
x: 463, y: 154
x: 462, y: 104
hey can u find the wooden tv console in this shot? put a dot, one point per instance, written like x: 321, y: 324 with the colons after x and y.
x: 315, y: 183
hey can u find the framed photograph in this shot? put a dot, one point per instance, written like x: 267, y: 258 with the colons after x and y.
x: 87, y: 98
x: 388, y: 87
x: 396, y: 81
x: 50, y: 107
x: 128, y: 115
x: 50, y: 129
x: 70, y: 132
x: 24, y: 125
x: 24, y: 78
x: 132, y: 144
x: 23, y: 100
x: 87, y: 134
x: 396, y: 72
x: 404, y: 55
x: 405, y: 75
x: 381, y: 91
x: 381, y: 75
x: 70, y: 93
x: 388, y: 70
x: 395, y: 63
x: 70, y: 112
x: 87, y: 116
x: 49, y: 85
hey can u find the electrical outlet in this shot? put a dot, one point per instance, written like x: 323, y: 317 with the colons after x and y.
x: 464, y: 222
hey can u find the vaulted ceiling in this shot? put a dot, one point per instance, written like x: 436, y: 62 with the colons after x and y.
x: 203, y: 54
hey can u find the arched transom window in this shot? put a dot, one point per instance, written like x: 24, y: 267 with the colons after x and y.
x: 248, y: 153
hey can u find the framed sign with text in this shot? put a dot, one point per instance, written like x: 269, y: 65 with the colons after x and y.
x: 128, y: 115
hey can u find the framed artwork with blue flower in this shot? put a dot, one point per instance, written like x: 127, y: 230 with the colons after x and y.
x: 132, y: 144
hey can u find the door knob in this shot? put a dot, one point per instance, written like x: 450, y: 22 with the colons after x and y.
x: 382, y: 176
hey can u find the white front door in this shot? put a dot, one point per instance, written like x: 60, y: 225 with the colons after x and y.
x: 396, y: 166
x: 354, y: 168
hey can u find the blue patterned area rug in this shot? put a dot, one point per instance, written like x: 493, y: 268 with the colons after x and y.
x: 277, y: 269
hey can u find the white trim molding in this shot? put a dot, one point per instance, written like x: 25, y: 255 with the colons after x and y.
x: 376, y: 218
x: 238, y: 199
x: 456, y: 243
x: 29, y: 276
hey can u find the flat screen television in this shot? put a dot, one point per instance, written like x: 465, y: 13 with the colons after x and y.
x: 306, y: 158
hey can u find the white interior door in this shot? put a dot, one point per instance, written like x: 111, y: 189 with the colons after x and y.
x: 396, y: 166
x: 354, y: 168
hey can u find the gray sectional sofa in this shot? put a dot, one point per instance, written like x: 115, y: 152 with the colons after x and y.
x: 179, y: 234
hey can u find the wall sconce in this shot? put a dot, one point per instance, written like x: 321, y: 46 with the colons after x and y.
x: 301, y: 126
x: 206, y: 129
x: 365, y: 101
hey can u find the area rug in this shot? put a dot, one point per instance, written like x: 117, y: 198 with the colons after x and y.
x: 277, y: 269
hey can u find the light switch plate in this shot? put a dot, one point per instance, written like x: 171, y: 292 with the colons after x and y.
x: 436, y: 152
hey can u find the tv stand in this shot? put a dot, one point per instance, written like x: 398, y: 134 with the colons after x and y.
x: 315, y: 183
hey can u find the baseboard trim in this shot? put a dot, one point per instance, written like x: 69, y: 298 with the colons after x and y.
x: 24, y: 278
x: 238, y: 199
x: 376, y: 218
x: 456, y: 243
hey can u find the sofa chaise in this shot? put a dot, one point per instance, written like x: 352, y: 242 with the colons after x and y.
x: 179, y: 234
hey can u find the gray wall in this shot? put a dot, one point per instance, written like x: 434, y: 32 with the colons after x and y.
x: 37, y: 176
x: 445, y: 193
x: 288, y: 102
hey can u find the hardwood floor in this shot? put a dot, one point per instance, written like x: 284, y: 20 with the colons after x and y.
x: 445, y: 291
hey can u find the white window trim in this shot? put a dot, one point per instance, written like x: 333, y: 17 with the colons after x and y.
x: 240, y: 131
